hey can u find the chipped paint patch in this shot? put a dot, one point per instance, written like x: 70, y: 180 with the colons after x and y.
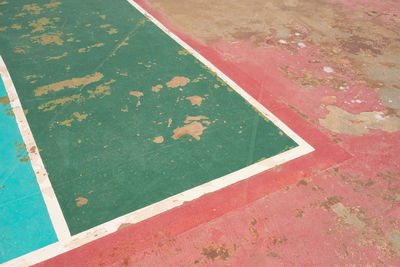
x: 87, y: 49
x: 33, y: 9
x: 72, y: 83
x: 195, y: 129
x: 40, y: 24
x: 101, y: 90
x: 341, y: 121
x: 178, y: 81
x: 48, y: 38
x: 50, y: 105
x: 80, y: 201
x: 57, y: 57
x: 158, y: 139
x: 195, y: 118
x: 156, y: 88
x: 346, y: 216
x: 195, y: 100
x: 138, y: 95
x: 52, y: 4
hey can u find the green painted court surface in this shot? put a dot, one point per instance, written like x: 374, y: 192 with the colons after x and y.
x: 122, y: 114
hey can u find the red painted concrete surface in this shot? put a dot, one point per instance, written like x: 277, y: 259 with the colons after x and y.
x: 339, y: 205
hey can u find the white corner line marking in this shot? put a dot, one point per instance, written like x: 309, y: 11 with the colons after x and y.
x: 53, y: 207
x: 65, y: 245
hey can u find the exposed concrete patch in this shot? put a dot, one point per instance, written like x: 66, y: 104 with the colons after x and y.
x: 194, y: 129
x: 101, y: 90
x: 195, y: 100
x: 178, y: 81
x: 50, y: 105
x: 346, y: 216
x: 40, y: 24
x: 156, y: 88
x: 57, y: 57
x: 394, y: 239
x: 49, y: 38
x: 341, y: 121
x: 158, y: 139
x: 194, y: 118
x: 72, y: 83
x: 138, y: 95
x: 52, y: 4
x: 80, y: 201
x: 87, y: 49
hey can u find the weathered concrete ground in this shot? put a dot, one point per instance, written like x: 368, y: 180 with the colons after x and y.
x: 336, y: 63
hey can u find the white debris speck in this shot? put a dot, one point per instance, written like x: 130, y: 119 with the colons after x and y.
x: 301, y: 44
x: 358, y: 101
x: 390, y: 100
x: 328, y: 69
x: 297, y: 34
x: 379, y: 116
x: 282, y: 41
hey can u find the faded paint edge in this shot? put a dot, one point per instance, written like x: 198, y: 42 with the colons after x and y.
x: 53, y: 207
x: 156, y: 208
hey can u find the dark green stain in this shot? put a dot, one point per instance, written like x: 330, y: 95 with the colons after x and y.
x: 97, y: 142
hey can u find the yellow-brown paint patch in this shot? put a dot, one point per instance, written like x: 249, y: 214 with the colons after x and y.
x: 195, y: 100
x: 72, y: 83
x: 39, y: 25
x: 67, y: 122
x: 16, y: 26
x: 183, y: 52
x: 138, y: 95
x: 80, y: 117
x: 52, y: 4
x: 87, y: 49
x: 194, y: 129
x: 4, y: 100
x: 49, y: 38
x: 178, y: 81
x: 50, y: 105
x: 80, y: 201
x: 112, y: 31
x: 156, y: 88
x: 101, y: 90
x: 57, y: 57
x: 33, y: 9
x: 195, y: 118
x: 158, y: 139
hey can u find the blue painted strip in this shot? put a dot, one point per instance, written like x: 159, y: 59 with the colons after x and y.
x: 25, y: 224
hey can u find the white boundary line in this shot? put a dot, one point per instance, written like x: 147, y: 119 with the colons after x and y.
x: 109, y: 227
x: 56, y: 216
